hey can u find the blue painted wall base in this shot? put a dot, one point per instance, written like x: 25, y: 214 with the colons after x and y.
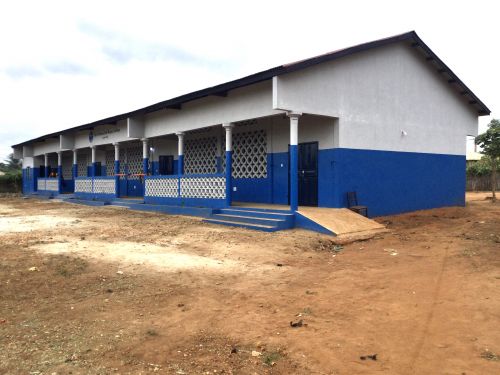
x: 387, y: 182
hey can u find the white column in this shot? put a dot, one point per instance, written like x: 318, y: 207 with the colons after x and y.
x: 180, y: 153
x: 93, y: 154
x: 229, y: 136
x: 144, y: 148
x: 180, y: 145
x: 46, y: 165
x: 74, y: 167
x: 294, y: 128
x: 117, y: 151
x: 116, y: 168
x: 294, y: 172
x: 59, y: 171
x: 229, y: 160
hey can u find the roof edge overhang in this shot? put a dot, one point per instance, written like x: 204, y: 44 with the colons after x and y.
x: 222, y: 89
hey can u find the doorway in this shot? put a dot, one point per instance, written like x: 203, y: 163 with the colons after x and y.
x: 308, y: 173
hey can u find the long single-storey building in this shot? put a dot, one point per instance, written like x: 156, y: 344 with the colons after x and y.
x: 386, y: 119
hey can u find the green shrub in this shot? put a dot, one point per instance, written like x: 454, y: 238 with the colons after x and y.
x: 11, y: 182
x: 481, y: 167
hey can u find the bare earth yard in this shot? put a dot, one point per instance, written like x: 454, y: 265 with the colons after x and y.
x: 105, y: 290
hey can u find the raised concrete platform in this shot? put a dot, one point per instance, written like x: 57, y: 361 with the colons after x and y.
x: 343, y: 222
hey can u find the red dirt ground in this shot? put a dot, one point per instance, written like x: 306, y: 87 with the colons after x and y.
x: 124, y: 292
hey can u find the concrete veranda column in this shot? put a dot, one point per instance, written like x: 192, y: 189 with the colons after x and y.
x: 229, y: 153
x: 180, y: 153
x: 117, y: 169
x: 294, y: 160
x: 59, y: 171
x: 145, y: 158
x: 94, y: 166
x: 46, y: 165
x: 75, y: 164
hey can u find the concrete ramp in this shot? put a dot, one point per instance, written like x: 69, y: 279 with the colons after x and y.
x: 343, y: 222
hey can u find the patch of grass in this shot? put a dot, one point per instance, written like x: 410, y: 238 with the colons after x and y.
x: 338, y: 248
x: 468, y: 253
x: 307, y: 311
x: 490, y: 356
x: 271, y: 358
x: 71, y: 267
x: 151, y: 332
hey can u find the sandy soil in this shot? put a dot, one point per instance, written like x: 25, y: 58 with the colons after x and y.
x: 87, y: 290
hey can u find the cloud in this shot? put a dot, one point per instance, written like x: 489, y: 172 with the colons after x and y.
x: 123, y: 53
x: 23, y: 71
x: 122, y: 49
x: 61, y: 67
x: 66, y: 67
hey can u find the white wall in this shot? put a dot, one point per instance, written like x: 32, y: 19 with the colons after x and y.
x: 241, y: 104
x: 105, y: 134
x: 376, y: 94
x: 28, y: 161
x: 163, y: 146
x: 50, y: 145
x: 311, y: 129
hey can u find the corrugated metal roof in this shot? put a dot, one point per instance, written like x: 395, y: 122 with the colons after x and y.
x: 284, y: 69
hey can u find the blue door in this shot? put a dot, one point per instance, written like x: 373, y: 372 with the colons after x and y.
x: 132, y: 165
x: 134, y: 187
x: 308, y: 174
x: 28, y: 181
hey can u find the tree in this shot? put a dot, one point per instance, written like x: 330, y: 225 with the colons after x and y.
x: 11, y: 165
x: 490, y: 143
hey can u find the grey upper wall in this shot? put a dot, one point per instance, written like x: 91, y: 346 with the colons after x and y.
x: 377, y: 95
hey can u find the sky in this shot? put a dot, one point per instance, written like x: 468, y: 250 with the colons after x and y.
x: 67, y: 63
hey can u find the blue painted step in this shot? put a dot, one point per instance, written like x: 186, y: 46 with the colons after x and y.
x: 264, y: 228
x: 86, y: 202
x: 170, y: 210
x: 64, y: 196
x: 253, y: 218
x: 40, y: 196
x: 127, y: 202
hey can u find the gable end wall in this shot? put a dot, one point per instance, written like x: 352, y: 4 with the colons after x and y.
x: 378, y: 93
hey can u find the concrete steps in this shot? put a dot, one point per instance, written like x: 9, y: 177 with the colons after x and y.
x: 252, y: 218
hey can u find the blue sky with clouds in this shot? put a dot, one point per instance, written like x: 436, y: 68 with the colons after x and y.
x: 68, y: 63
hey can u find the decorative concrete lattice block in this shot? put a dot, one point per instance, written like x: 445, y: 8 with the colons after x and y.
x: 249, y: 154
x: 83, y: 185
x: 162, y: 187
x: 123, y: 160
x: 203, y: 187
x: 110, y: 162
x: 52, y: 184
x: 82, y: 160
x: 40, y: 184
x: 67, y: 170
x: 104, y: 186
x: 200, y: 156
x: 133, y: 157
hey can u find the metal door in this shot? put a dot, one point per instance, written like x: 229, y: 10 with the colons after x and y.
x: 166, y: 164
x: 308, y: 174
